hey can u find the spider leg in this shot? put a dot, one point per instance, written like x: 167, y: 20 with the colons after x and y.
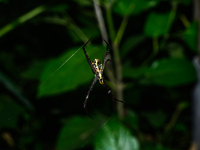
x: 110, y: 93
x: 107, y: 51
x: 106, y: 62
x: 86, y: 55
x: 86, y: 99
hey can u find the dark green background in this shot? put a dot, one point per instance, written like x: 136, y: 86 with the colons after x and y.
x: 41, y: 108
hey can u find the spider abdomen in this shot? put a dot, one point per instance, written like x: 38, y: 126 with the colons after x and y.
x: 99, y: 70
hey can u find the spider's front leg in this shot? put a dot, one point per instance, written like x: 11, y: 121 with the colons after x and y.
x: 86, y: 55
x: 105, y: 63
x: 87, y: 97
x: 107, y: 51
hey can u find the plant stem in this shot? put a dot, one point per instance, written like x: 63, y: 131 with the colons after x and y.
x: 68, y: 23
x: 78, y: 32
x: 100, y: 20
x: 118, y: 67
x: 173, y: 120
x: 110, y: 23
x: 170, y: 21
x: 10, y: 86
x: 154, y: 53
x: 21, y: 20
x: 185, y: 21
x: 121, y: 30
x: 119, y: 84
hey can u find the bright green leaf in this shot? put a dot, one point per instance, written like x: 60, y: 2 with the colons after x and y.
x: 76, y: 132
x: 129, y: 7
x: 157, y: 24
x: 74, y: 73
x: 190, y: 36
x: 115, y: 136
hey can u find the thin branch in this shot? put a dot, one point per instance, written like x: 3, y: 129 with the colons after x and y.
x: 14, y: 90
x: 121, y: 30
x: 100, y: 20
x: 21, y: 20
x: 110, y: 24
x: 119, y: 84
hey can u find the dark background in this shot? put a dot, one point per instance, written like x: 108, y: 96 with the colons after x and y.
x: 41, y: 105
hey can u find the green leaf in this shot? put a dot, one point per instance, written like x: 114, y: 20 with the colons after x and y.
x: 92, y: 31
x: 134, y: 73
x: 176, y: 50
x: 115, y: 136
x: 130, y: 7
x: 170, y: 72
x: 185, y: 2
x: 166, y: 72
x: 60, y: 8
x: 157, y: 24
x: 156, y: 119
x: 76, y: 132
x: 132, y: 119
x: 34, y: 70
x: 9, y: 112
x: 180, y: 127
x: 131, y: 43
x: 72, y: 74
x: 83, y: 3
x: 190, y: 36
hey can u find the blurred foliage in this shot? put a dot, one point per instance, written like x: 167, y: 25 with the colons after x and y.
x: 62, y: 84
x: 166, y: 72
x: 131, y: 7
x: 190, y: 36
x: 9, y: 118
x: 162, y: 25
x: 44, y: 74
x: 115, y: 136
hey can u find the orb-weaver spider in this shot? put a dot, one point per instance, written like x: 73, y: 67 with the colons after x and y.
x: 97, y: 69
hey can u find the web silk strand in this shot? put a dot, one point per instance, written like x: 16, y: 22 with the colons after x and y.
x: 60, y: 66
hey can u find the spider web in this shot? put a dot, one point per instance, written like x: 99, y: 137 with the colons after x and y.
x: 97, y: 130
x: 50, y: 77
x: 60, y: 67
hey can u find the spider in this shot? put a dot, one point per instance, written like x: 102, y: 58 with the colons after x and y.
x: 97, y: 69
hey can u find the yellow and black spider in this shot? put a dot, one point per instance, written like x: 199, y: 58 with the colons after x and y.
x: 97, y: 69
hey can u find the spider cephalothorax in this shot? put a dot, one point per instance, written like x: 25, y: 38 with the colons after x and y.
x: 97, y: 69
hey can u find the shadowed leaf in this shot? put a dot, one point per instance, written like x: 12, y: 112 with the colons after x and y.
x: 74, y: 73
